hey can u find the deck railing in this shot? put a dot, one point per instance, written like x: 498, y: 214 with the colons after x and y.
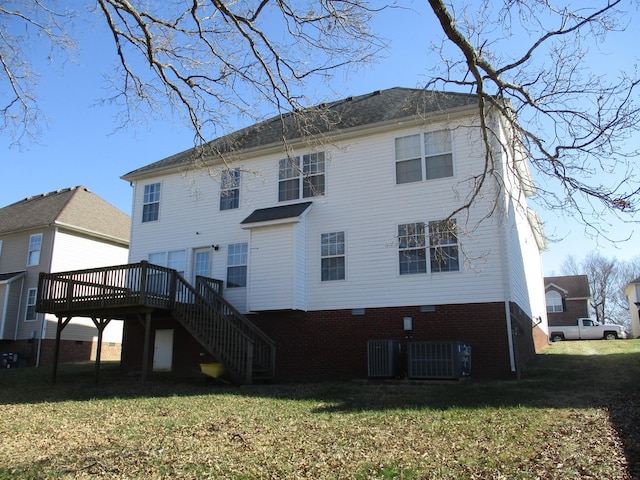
x: 225, y: 332
x: 140, y: 284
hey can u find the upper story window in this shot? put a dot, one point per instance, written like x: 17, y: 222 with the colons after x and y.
x: 237, y: 259
x: 35, y: 246
x: 301, y: 177
x: 0, y: 248
x: 424, y: 156
x: 554, y: 302
x: 151, y: 202
x: 439, y: 239
x: 229, y: 189
x: 332, y: 253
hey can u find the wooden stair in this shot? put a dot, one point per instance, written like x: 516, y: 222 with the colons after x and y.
x: 246, y: 352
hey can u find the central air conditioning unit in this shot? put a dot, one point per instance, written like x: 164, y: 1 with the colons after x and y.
x: 438, y: 360
x: 384, y: 358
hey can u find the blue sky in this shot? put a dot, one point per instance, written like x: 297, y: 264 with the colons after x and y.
x: 79, y: 145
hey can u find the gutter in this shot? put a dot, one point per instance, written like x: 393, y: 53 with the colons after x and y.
x: 93, y: 233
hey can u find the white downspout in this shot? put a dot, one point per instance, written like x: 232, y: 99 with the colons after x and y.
x: 43, y: 325
x: 507, y: 275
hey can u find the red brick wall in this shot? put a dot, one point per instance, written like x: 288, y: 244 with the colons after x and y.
x: 333, y: 344
x: 70, y: 351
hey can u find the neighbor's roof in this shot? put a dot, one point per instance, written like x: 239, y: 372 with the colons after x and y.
x: 575, y: 286
x: 378, y: 107
x: 76, y: 208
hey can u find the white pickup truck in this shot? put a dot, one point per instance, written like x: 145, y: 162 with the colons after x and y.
x: 586, y: 329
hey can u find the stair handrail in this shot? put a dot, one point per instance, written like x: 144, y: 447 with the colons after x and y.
x: 206, y: 323
x: 264, y: 346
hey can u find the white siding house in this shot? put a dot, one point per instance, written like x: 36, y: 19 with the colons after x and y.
x: 331, y: 241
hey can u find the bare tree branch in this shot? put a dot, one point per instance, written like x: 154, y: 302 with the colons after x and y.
x: 571, y: 123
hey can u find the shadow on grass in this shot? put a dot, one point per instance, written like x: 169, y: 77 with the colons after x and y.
x: 552, y: 380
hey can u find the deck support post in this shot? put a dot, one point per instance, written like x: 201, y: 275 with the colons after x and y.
x: 147, y: 342
x: 56, y: 353
x: 101, y: 324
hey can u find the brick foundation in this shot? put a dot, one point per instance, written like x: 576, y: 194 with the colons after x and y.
x: 70, y: 351
x: 333, y: 344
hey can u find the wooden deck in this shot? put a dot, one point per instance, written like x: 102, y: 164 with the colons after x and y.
x: 108, y: 293
x: 119, y: 291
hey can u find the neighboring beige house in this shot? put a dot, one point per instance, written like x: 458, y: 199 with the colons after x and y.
x: 568, y: 298
x: 57, y: 231
x: 632, y: 292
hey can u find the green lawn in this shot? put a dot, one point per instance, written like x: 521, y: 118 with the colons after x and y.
x: 574, y: 415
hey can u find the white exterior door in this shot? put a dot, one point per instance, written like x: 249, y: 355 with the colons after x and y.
x: 163, y: 351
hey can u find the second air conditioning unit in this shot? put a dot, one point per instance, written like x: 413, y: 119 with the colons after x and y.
x: 438, y: 360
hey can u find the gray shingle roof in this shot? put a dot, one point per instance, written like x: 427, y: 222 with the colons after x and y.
x: 73, y: 207
x: 577, y: 286
x: 5, y: 277
x: 352, y: 112
x: 277, y: 213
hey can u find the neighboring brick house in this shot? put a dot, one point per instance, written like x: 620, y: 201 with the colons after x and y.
x: 568, y: 298
x: 336, y: 238
x: 62, y: 230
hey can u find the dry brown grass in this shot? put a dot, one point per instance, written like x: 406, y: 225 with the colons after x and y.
x: 573, y: 416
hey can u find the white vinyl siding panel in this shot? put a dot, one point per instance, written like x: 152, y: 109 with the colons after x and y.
x: 363, y: 200
x: 84, y: 330
x: 272, y: 268
x: 74, y: 252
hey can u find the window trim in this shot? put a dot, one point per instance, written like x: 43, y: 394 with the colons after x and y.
x: 424, y: 156
x: 340, y: 254
x: 31, y: 306
x: 148, y: 203
x: 444, y: 243
x: 556, y: 296
x: 302, y: 177
x: 230, y: 189
x: 234, y: 265
x: 32, y: 250
x: 416, y: 242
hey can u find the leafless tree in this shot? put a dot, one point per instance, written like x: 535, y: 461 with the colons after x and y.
x: 209, y: 60
x: 569, y: 120
x: 608, y: 278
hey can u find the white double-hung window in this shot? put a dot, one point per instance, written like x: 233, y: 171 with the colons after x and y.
x: 151, y: 203
x: 237, y: 260
x: 424, y: 156
x: 431, y: 247
x: 301, y: 176
x: 229, y: 189
x: 332, y: 254
x: 35, y: 246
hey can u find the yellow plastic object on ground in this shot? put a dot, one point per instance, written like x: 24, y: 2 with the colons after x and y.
x: 214, y: 370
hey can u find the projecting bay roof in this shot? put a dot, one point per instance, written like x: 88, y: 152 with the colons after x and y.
x: 379, y: 107
x: 9, y: 277
x: 276, y: 213
x: 76, y: 208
